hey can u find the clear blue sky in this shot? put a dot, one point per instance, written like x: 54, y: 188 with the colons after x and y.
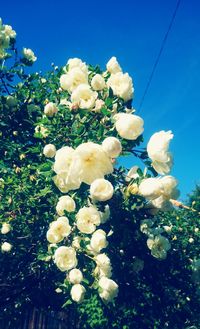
x: 132, y: 31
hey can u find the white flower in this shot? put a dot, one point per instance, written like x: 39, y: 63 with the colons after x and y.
x: 151, y: 188
x: 113, y: 66
x: 109, y: 287
x: 98, y: 105
x: 77, y: 293
x: 129, y: 126
x: 121, y: 85
x: 58, y: 230
x: 63, y: 159
x: 84, y: 96
x: 9, y: 31
x: 49, y: 151
x: 6, y: 247
x: 169, y: 184
x: 90, y: 162
x: 29, y: 55
x: 101, y: 190
x: 76, y: 242
x: 112, y: 146
x: 50, y: 109
x: 65, y: 203
x: 5, y: 228
x: 98, y: 82
x: 98, y: 241
x: 157, y: 149
x: 65, y: 183
x: 104, y: 267
x: 65, y: 258
x: 76, y: 62
x: 132, y: 174
x: 72, y: 79
x: 159, y: 246
x: 87, y: 219
x: 75, y: 276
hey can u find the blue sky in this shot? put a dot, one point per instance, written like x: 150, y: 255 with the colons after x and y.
x: 132, y: 31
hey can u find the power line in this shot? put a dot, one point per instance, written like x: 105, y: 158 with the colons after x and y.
x: 159, y: 55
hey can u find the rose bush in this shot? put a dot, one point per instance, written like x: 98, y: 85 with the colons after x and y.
x: 72, y: 219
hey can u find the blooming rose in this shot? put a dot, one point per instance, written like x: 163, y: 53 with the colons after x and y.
x: 76, y: 62
x: 29, y: 55
x: 98, y: 82
x: 77, y: 293
x: 113, y: 66
x: 65, y: 182
x: 50, y: 109
x: 101, y: 189
x: 72, y: 79
x: 84, y: 96
x: 49, y: 151
x: 5, y: 228
x: 65, y: 203
x: 112, y: 146
x: 6, y: 247
x: 75, y: 276
x: 129, y: 126
x: 151, y: 188
x: 90, y: 162
x: 121, y: 85
x: 98, y: 241
x: 58, y: 230
x: 9, y: 32
x: 109, y: 287
x: 65, y: 258
x: 157, y: 149
x: 63, y: 159
x: 104, y: 267
x: 87, y: 219
x: 159, y: 246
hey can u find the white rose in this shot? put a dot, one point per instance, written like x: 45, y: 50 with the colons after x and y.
x: 49, y: 151
x: 129, y: 126
x: 6, y: 247
x: 101, y: 190
x: 58, y: 230
x: 65, y: 258
x: 98, y: 241
x: 169, y: 184
x: 151, y: 188
x: 104, y: 267
x: 72, y: 79
x: 75, y: 276
x: 112, y: 146
x: 87, y: 219
x: 5, y: 228
x: 77, y: 293
x: 29, y: 55
x: 65, y: 203
x: 65, y: 183
x: 76, y: 242
x: 98, y: 82
x: 63, y: 159
x: 159, y: 246
x: 121, y: 85
x: 109, y: 287
x: 113, y: 66
x: 76, y: 62
x: 9, y: 31
x: 90, y: 162
x: 84, y: 96
x: 157, y: 149
x: 98, y: 105
x: 50, y: 109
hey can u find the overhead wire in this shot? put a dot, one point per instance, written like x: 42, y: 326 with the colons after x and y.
x: 159, y: 55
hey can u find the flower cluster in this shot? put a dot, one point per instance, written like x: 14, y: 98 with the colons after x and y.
x: 78, y: 227
x: 7, y: 37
